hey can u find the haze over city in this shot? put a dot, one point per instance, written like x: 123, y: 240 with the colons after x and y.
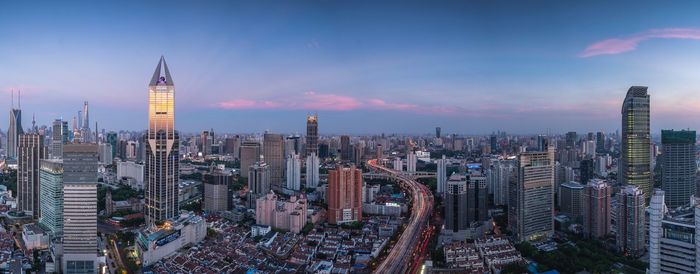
x: 471, y: 67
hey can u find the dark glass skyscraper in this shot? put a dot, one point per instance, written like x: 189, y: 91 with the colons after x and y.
x: 679, y: 167
x: 162, y: 149
x: 635, y: 158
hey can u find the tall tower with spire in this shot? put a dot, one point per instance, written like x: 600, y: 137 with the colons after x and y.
x: 15, y: 128
x: 85, y: 131
x: 162, y: 148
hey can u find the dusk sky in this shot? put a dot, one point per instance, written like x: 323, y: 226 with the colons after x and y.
x: 470, y: 67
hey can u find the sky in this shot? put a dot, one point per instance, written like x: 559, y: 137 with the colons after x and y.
x: 470, y: 67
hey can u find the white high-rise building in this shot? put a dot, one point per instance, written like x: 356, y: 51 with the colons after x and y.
x: 398, y: 164
x: 673, y: 236
x: 293, y: 172
x: 312, y: 164
x: 80, y: 208
x: 411, y: 162
x: 441, y: 174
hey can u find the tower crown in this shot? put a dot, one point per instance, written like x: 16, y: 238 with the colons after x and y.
x: 161, y: 76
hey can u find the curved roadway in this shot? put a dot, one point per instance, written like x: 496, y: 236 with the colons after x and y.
x: 405, y: 254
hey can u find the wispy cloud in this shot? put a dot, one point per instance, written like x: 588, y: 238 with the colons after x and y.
x: 315, y: 101
x: 630, y: 43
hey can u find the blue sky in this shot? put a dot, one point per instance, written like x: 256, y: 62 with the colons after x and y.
x: 468, y: 66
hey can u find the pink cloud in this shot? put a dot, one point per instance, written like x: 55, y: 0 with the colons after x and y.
x: 381, y: 104
x: 630, y: 43
x: 334, y: 102
x: 248, y: 104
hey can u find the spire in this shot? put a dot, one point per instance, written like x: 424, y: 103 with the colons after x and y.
x: 19, y: 96
x: 12, y: 97
x: 162, y: 75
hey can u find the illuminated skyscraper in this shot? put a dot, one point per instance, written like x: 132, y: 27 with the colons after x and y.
x: 635, y: 158
x: 311, y: 134
x: 162, y: 146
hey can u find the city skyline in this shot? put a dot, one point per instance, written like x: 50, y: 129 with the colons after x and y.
x: 372, y: 75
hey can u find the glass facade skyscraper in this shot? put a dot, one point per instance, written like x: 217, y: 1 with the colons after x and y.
x: 678, y: 177
x: 635, y: 158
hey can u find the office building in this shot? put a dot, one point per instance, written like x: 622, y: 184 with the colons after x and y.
x: 596, y: 209
x: 218, y: 192
x: 477, y: 198
x: 531, y: 206
x: 344, y: 195
x: 105, y: 154
x: 673, y: 244
x: 59, y: 137
x: 441, y: 174
x: 572, y: 200
x: 250, y: 154
x: 499, y: 176
x: 292, y: 145
x: 571, y: 139
x: 456, y: 204
x: 293, y: 172
x: 438, y: 130
x: 205, y: 141
x: 312, y: 169
x: 411, y: 162
x: 286, y: 215
x: 80, y: 208
x: 678, y: 179
x: 162, y: 149
x: 600, y: 143
x: 635, y: 157
x: 258, y: 181
x: 112, y: 140
x: 273, y: 150
x: 311, y: 134
x: 630, y: 221
x: 232, y: 146
x: 30, y: 152
x: 51, y: 196
x: 345, y: 149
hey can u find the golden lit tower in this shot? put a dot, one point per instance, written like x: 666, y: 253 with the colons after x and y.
x: 162, y: 148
